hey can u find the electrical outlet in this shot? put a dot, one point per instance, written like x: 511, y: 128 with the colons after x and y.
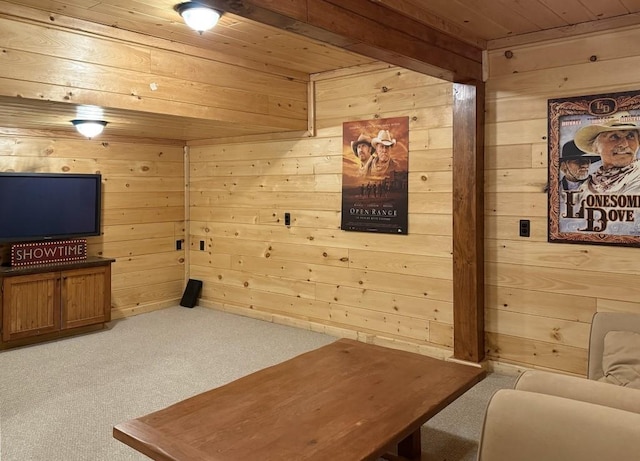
x: 287, y: 219
x: 201, y: 245
x: 178, y: 244
x: 525, y: 228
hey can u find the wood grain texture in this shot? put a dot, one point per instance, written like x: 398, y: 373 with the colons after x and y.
x: 468, y: 221
x: 340, y: 402
x: 353, y: 25
x: 540, y: 297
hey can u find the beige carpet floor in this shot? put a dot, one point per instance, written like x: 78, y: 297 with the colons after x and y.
x: 60, y: 400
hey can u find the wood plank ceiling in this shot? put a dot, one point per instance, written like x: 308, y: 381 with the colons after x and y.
x: 487, y: 24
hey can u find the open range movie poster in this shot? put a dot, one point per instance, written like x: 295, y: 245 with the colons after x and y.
x: 594, y: 171
x: 375, y: 159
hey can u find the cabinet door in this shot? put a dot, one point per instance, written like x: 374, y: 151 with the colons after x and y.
x: 86, y: 296
x: 30, y: 305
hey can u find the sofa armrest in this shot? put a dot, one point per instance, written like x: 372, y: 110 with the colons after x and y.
x: 582, y: 389
x: 528, y: 426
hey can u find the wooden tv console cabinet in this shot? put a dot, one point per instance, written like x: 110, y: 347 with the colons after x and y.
x: 46, y: 302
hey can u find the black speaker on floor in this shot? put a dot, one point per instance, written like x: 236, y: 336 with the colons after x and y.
x: 191, y: 293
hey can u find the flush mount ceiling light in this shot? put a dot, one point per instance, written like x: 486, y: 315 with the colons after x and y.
x: 89, y: 128
x: 198, y: 16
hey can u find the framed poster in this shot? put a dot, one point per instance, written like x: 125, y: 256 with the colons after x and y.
x: 594, y: 171
x: 375, y: 187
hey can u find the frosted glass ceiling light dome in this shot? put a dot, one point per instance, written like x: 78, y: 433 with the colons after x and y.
x: 89, y: 128
x: 197, y: 16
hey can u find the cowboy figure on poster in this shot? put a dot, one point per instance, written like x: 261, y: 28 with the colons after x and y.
x: 375, y: 175
x: 594, y: 169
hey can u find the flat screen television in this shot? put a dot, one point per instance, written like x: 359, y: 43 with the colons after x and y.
x: 49, y: 206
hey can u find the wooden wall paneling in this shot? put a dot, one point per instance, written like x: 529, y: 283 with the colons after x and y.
x: 515, y: 107
x: 610, y: 260
x: 565, y: 52
x: 541, y: 303
x: 143, y: 78
x: 438, y: 289
x: 260, y: 150
x: 586, y: 78
x: 325, y: 238
x: 508, y: 156
x: 136, y: 247
x: 431, y: 181
x: 537, y: 327
x: 70, y: 45
x: 430, y: 202
x: 441, y: 334
x: 318, y: 219
x: 382, y: 324
x: 430, y: 159
x: 138, y: 231
x: 431, y: 224
x: 142, y: 215
x: 610, y: 305
x: 373, y: 80
x: 523, y: 204
x: 58, y: 15
x: 142, y: 278
x: 133, y: 298
x: 253, y: 168
x: 248, y: 282
x: 591, y: 283
x: 308, y: 200
x: 389, y: 96
x: 381, y: 285
x: 237, y: 82
x: 516, y: 180
x: 127, y: 89
x: 271, y: 302
x: 411, y: 306
x: 536, y: 354
x: 427, y: 266
x: 137, y: 263
x: 225, y: 215
x: 277, y: 251
x: 548, y: 292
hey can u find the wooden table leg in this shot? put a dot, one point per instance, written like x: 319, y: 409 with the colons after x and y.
x: 411, y: 446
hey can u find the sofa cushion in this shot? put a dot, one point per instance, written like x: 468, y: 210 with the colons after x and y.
x: 621, y: 358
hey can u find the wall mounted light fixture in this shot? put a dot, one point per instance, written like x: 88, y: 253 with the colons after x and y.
x: 198, y: 16
x: 89, y: 128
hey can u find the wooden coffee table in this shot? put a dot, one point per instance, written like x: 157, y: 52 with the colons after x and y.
x: 342, y: 402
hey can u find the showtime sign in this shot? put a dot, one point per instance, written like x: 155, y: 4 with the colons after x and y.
x: 31, y: 254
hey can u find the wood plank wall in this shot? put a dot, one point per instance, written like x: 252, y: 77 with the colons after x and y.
x: 46, y: 61
x: 387, y: 287
x: 143, y: 207
x: 540, y: 297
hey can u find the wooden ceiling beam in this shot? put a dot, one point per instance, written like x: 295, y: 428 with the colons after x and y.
x: 370, y: 29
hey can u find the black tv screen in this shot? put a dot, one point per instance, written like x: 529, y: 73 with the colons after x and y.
x: 42, y: 206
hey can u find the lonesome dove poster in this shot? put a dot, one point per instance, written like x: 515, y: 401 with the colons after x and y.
x: 594, y: 171
x: 375, y: 188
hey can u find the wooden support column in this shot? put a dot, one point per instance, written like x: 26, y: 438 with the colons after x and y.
x: 468, y: 221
